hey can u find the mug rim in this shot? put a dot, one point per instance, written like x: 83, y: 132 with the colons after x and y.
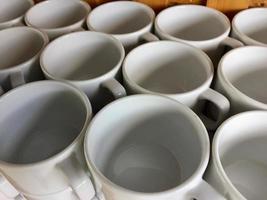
x: 115, y: 42
x: 230, y: 88
x: 78, y: 138
x: 24, y: 64
x: 242, y: 35
x: 21, y: 17
x: 215, y: 149
x: 170, y: 37
x: 151, y: 13
x: 204, y: 142
x: 202, y: 87
x: 28, y: 23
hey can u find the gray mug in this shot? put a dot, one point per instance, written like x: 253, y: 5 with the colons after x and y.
x: 20, y: 49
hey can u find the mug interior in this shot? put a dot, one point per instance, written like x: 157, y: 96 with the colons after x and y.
x: 19, y: 45
x: 252, y: 23
x: 39, y: 120
x: 12, y: 9
x: 56, y: 14
x: 246, y: 70
x: 193, y: 23
x: 120, y: 17
x: 167, y: 67
x: 152, y: 145
x: 241, y: 146
x: 81, y: 56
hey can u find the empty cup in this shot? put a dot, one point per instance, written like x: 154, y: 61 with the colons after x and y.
x: 20, y: 49
x: 12, y: 12
x: 58, y: 17
x: 146, y: 147
x: 249, y: 26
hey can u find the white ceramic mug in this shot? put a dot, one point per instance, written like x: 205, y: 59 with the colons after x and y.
x: 130, y: 22
x: 203, y: 27
x: 177, y: 70
x: 249, y: 26
x: 241, y: 77
x: 239, y: 159
x: 12, y: 12
x: 58, y: 17
x: 20, y: 49
x: 89, y: 60
x: 41, y: 152
x: 148, y: 147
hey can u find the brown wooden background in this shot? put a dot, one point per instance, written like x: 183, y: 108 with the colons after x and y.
x: 230, y: 7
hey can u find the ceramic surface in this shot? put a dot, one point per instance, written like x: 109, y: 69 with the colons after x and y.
x: 155, y: 149
x: 249, y: 26
x: 19, y: 58
x: 176, y: 70
x: 41, y: 140
x: 12, y: 12
x: 89, y: 60
x: 58, y: 17
x: 203, y: 27
x: 238, y: 166
x: 130, y: 22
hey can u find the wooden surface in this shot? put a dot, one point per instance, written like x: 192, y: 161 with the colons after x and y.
x: 229, y: 7
x: 158, y: 5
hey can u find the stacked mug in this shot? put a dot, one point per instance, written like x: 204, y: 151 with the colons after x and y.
x: 126, y: 107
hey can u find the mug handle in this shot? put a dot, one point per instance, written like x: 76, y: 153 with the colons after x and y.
x: 220, y: 102
x: 232, y: 43
x: 73, y: 170
x: 9, y: 190
x: 148, y: 37
x: 16, y: 79
x: 115, y: 88
x: 1, y: 91
x: 205, y: 191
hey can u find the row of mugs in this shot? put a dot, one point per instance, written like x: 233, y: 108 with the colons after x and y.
x: 141, y: 147
x: 132, y: 22
x: 92, y: 61
x: 42, y: 155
